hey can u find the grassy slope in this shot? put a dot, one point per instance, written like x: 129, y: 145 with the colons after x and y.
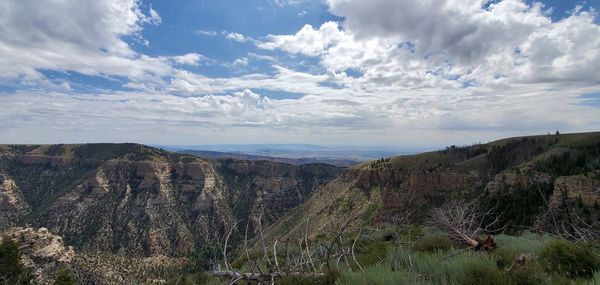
x: 341, y: 199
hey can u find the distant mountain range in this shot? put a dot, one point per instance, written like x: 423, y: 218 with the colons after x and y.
x: 340, y: 162
x: 293, y: 153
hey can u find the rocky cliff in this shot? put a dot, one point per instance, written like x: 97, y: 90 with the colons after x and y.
x: 141, y: 201
x: 525, y: 180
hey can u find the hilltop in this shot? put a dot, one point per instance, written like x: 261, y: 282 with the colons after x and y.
x: 514, y: 176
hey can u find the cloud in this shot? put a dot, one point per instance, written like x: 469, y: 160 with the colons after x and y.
x: 307, y: 41
x: 452, y: 43
x: 86, y: 37
x: 206, y: 33
x: 398, y: 72
x: 236, y: 37
x: 242, y: 61
x: 188, y: 59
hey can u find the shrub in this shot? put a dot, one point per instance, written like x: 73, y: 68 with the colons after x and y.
x: 12, y: 270
x: 568, y: 259
x: 525, y: 276
x: 511, y: 247
x: 438, y: 269
x: 64, y: 277
x: 595, y: 279
x: 478, y: 273
x: 433, y: 243
x: 378, y: 275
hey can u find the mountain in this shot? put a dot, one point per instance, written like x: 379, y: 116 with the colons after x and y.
x: 300, y: 151
x: 142, y: 201
x: 340, y: 162
x: 531, y: 182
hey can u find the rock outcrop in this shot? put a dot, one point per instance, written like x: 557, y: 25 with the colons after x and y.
x: 41, y: 251
x: 142, y: 201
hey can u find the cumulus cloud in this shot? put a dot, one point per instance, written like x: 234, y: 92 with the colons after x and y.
x: 307, y: 41
x: 85, y: 37
x: 452, y: 43
x: 188, y: 59
x: 390, y: 72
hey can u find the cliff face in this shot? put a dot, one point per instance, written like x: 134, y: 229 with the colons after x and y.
x: 515, y: 177
x: 142, y: 201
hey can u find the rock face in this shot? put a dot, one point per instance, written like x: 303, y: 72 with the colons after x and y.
x: 41, y: 251
x: 515, y: 177
x: 142, y: 201
x: 45, y: 254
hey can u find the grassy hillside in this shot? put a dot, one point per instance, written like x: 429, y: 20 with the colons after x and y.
x: 507, y: 175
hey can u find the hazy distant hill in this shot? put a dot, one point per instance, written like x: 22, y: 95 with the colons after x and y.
x: 296, y: 161
x: 299, y: 151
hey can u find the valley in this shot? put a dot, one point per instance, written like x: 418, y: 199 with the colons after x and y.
x: 168, y: 215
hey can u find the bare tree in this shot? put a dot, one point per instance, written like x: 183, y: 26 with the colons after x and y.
x: 464, y: 223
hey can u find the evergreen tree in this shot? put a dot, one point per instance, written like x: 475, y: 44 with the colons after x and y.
x: 64, y: 277
x: 12, y: 270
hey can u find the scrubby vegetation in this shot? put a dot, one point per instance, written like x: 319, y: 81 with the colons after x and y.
x: 64, y: 277
x: 12, y: 271
x: 424, y: 256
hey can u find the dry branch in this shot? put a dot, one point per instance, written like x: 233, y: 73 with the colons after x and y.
x: 463, y: 223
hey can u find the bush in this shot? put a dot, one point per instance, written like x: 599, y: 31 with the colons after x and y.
x: 511, y: 247
x: 437, y: 269
x: 64, y: 277
x: 433, y: 243
x: 568, y: 259
x: 12, y: 270
x: 477, y: 273
x: 525, y: 276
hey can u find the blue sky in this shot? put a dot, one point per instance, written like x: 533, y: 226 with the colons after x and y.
x: 354, y: 72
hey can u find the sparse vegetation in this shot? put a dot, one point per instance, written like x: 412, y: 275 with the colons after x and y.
x: 64, y: 277
x: 568, y: 259
x: 12, y: 271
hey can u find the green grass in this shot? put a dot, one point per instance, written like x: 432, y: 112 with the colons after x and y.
x: 511, y: 247
x: 378, y: 275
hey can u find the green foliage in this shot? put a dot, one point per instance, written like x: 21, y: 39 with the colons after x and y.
x: 64, y: 277
x: 565, y: 258
x: 511, y: 247
x: 595, y: 279
x: 307, y: 280
x: 330, y: 277
x: 378, y: 275
x: 525, y: 275
x: 12, y: 270
x: 479, y: 273
x: 198, y: 278
x: 433, y: 243
x: 437, y: 269
x: 521, y: 206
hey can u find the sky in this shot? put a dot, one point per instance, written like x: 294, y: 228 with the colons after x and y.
x: 330, y: 72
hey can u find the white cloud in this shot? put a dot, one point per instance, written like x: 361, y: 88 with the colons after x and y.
x: 307, y: 41
x: 242, y: 61
x: 236, y: 37
x: 452, y: 43
x: 188, y: 59
x: 85, y: 37
x: 396, y: 72
x: 206, y: 32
